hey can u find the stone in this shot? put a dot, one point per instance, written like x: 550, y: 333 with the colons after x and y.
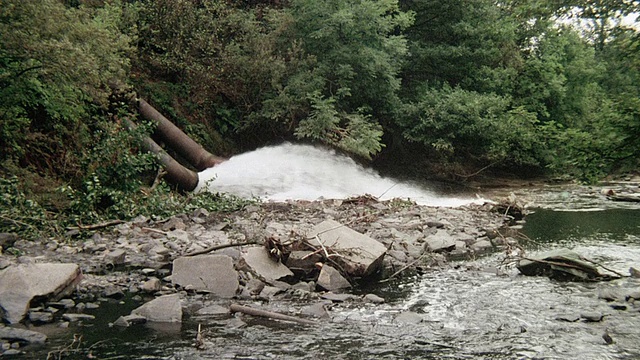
x: 71, y: 317
x: 165, y: 308
x: 213, y: 273
x: 113, y: 292
x: 260, y: 263
x: 481, y: 246
x: 441, y: 241
x: 269, y: 291
x: 373, y: 298
x: 303, y: 261
x: 317, y: 310
x: 22, y: 335
x: 551, y: 263
x: 40, y: 317
x: 337, y: 297
x: 115, y: 257
x: 330, y: 279
x: 360, y: 255
x: 151, y: 285
x: 568, y: 317
x: 131, y: 319
x: 592, y: 316
x: 408, y: 317
x: 19, y: 284
x: 609, y: 294
x: 635, y: 273
x: 213, y: 310
x: 435, y: 224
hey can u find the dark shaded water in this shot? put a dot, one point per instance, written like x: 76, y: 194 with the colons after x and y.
x: 474, y: 309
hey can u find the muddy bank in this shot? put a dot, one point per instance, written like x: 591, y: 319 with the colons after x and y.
x: 151, y: 259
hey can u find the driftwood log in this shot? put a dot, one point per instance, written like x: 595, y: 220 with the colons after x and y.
x: 268, y: 314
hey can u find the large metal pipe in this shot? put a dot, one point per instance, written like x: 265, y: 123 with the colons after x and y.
x: 177, y: 174
x: 175, y: 138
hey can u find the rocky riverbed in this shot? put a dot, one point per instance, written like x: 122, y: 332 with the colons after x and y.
x: 201, y: 262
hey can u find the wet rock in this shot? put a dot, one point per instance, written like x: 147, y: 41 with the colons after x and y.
x: 441, y: 241
x: 77, y: 317
x: 317, y: 310
x: 213, y: 310
x: 373, y: 298
x: 165, y: 308
x: 619, y: 307
x: 481, y: 246
x: 360, y: 254
x: 337, y: 297
x: 592, y: 316
x: 568, y: 317
x: 634, y: 295
x: 115, y: 257
x: 40, y: 317
x: 408, y: 317
x: 269, y: 292
x: 214, y: 273
x: 560, y: 264
x: 21, y: 335
x: 260, y: 263
x: 113, y: 292
x: 330, y: 279
x: 12, y: 352
x: 19, y: 284
x: 128, y: 320
x: 609, y: 294
x: 635, y: 273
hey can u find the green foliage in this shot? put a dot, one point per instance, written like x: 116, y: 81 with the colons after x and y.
x: 358, y: 136
x: 462, y: 125
x: 20, y: 214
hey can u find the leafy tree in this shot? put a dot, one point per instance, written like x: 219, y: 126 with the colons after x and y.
x: 56, y: 67
x: 359, y: 53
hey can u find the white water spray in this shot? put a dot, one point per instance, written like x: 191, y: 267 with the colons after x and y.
x: 304, y: 172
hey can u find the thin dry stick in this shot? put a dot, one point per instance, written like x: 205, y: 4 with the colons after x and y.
x: 268, y: 314
x: 218, y: 247
x: 96, y: 226
x: 386, y: 191
x: 604, y: 267
x: 154, y: 230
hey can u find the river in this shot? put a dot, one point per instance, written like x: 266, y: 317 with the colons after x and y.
x: 472, y: 309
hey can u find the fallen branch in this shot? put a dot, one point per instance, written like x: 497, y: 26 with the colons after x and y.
x: 96, y: 226
x: 218, y: 247
x: 148, y: 229
x: 268, y: 314
x: 604, y: 267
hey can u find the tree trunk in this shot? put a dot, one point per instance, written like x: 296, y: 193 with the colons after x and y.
x: 177, y: 174
x: 175, y: 138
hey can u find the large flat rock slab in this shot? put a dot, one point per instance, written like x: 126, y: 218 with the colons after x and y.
x: 360, y: 255
x: 441, y: 241
x: 214, y: 273
x: 19, y: 284
x: 259, y: 261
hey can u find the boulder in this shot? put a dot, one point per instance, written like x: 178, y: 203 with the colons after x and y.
x: 21, y: 283
x: 560, y: 264
x: 360, y: 255
x: 260, y: 263
x: 165, y: 308
x: 21, y: 335
x: 330, y: 279
x: 214, y: 273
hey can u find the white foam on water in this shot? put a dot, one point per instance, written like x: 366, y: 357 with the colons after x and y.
x: 304, y: 172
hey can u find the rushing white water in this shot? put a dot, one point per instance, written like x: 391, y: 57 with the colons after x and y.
x: 304, y: 172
